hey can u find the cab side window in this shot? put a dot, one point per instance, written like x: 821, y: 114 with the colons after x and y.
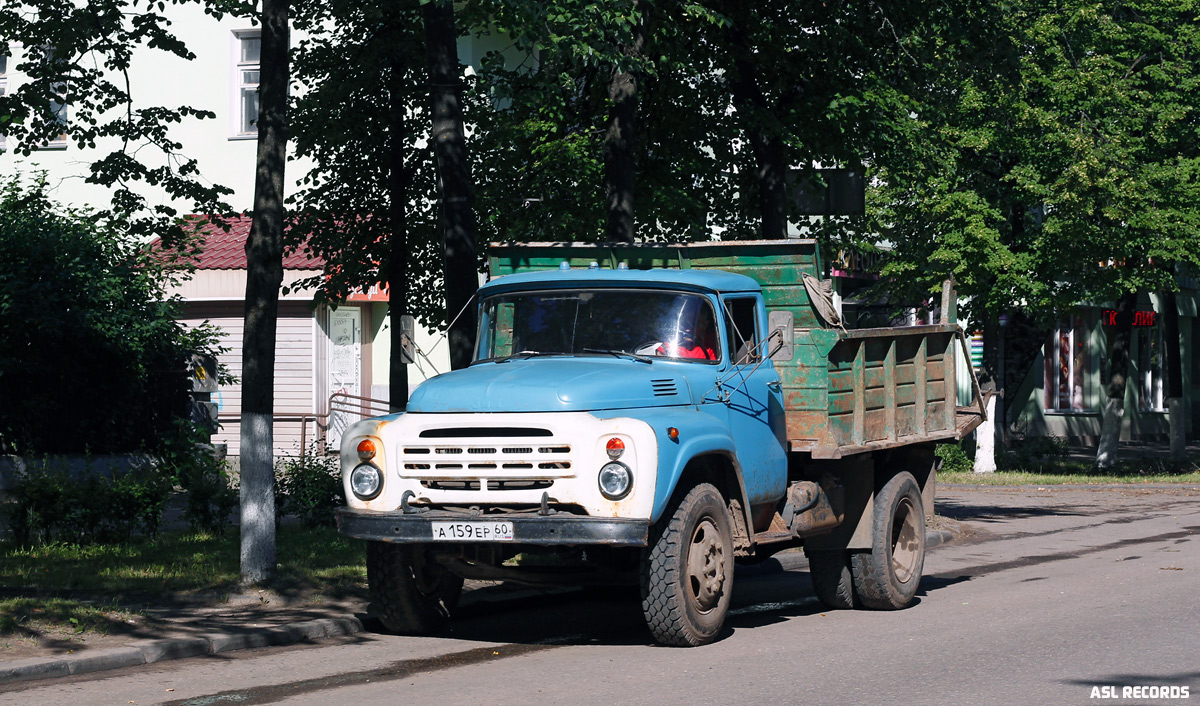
x: 740, y: 322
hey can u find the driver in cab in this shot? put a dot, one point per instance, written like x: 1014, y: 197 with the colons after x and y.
x: 694, y: 333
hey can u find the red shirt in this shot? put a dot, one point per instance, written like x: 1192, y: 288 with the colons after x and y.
x: 697, y: 352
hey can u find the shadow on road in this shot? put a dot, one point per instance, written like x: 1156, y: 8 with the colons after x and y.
x: 764, y: 594
x: 975, y: 512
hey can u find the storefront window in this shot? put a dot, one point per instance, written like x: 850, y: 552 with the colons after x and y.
x: 1151, y: 366
x: 1067, y: 366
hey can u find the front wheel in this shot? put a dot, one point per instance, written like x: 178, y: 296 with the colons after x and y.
x: 411, y: 593
x: 886, y: 578
x: 687, y: 571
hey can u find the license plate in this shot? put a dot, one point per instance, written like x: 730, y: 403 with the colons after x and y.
x: 472, y: 531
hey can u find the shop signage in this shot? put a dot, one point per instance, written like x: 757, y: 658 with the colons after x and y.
x: 1140, y: 318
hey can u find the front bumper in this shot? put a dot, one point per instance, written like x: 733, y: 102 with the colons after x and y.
x: 560, y: 529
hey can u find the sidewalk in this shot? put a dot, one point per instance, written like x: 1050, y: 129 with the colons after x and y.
x: 185, y: 629
x: 1134, y: 450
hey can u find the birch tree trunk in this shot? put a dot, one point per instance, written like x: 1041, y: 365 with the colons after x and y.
x: 985, y: 440
x: 264, y: 274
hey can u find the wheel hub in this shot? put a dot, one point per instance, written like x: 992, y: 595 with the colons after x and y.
x: 905, y: 541
x: 706, y: 566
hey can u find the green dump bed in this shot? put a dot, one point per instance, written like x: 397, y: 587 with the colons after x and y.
x: 845, y: 391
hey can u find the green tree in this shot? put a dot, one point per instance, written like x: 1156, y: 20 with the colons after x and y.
x: 75, y: 58
x: 367, y: 205
x: 92, y: 359
x: 1058, y: 165
x: 593, y: 109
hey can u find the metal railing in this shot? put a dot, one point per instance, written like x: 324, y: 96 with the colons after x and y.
x: 344, y: 410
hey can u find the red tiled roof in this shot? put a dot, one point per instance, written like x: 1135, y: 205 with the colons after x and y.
x: 226, y: 250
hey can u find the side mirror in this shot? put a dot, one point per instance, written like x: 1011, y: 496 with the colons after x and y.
x: 782, y: 340
x: 408, y: 340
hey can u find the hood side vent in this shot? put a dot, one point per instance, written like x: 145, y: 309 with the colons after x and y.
x: 664, y: 388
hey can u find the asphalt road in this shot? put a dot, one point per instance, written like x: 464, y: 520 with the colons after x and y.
x: 1048, y: 595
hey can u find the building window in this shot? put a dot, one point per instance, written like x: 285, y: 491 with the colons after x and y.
x: 58, y: 106
x: 1066, y: 371
x: 1151, y: 369
x: 247, y: 52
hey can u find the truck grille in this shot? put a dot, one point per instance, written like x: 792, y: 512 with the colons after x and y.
x: 476, y: 458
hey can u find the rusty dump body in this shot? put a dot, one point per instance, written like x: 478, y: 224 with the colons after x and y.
x: 845, y: 392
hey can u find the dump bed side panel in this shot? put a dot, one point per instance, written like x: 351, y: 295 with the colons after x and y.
x: 889, y: 387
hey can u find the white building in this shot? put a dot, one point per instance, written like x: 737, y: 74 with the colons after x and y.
x: 319, y: 352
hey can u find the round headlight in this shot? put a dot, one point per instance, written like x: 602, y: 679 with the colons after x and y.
x: 615, y: 480
x: 366, y: 481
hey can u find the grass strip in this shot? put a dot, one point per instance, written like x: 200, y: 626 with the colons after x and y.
x: 83, y: 587
x: 1072, y: 474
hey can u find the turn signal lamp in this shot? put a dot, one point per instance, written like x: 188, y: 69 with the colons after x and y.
x: 366, y: 449
x: 615, y: 448
x: 673, y: 433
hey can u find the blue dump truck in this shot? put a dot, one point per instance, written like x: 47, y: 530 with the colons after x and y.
x: 648, y: 415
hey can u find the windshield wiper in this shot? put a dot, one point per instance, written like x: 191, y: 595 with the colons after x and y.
x: 619, y: 354
x: 521, y: 354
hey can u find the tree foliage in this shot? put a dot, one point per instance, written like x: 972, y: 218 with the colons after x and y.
x: 77, y: 58
x: 1056, y: 159
x: 91, y: 358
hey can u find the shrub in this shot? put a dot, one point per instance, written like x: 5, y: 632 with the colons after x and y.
x: 309, y: 487
x: 1038, y: 453
x: 192, y: 464
x: 49, y: 503
x: 91, y: 356
x: 954, y: 459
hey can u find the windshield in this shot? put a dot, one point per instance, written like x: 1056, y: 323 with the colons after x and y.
x: 641, y: 322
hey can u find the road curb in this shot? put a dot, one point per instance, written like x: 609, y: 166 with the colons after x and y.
x: 934, y: 538
x: 151, y: 651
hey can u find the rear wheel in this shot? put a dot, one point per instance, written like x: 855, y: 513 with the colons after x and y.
x: 886, y: 578
x: 411, y: 593
x: 687, y: 571
x: 831, y: 578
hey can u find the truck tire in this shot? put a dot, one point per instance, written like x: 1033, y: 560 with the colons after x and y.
x: 831, y: 578
x: 687, y: 571
x: 411, y: 594
x: 886, y: 578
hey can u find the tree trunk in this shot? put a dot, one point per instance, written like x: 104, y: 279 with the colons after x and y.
x: 457, y: 215
x: 987, y: 432
x: 620, y: 141
x: 399, y: 179
x: 264, y: 274
x: 1118, y: 370
x: 770, y: 152
x: 1174, y: 377
x: 985, y: 440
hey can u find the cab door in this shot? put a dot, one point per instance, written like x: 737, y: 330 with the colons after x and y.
x: 752, y: 392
